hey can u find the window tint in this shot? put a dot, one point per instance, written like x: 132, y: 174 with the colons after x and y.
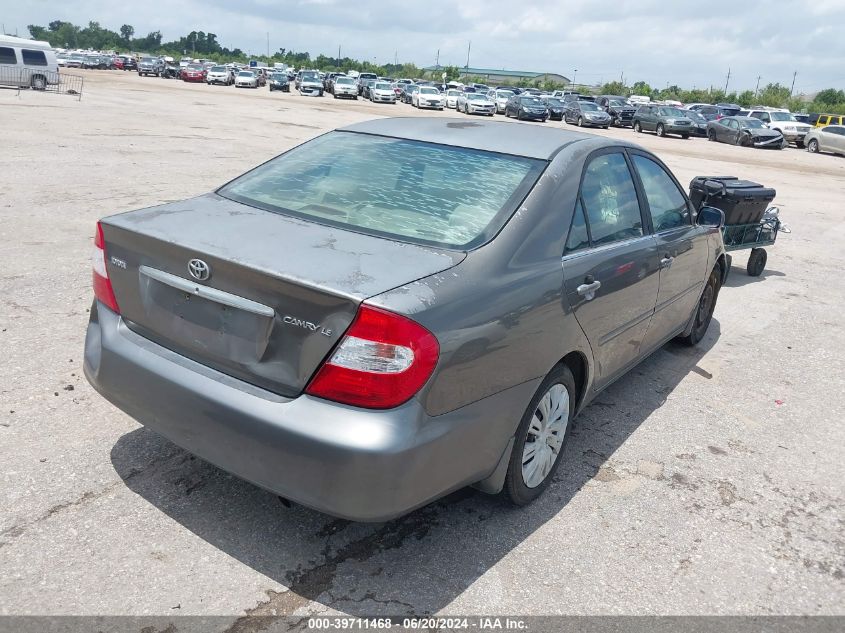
x: 578, y: 237
x: 666, y: 203
x: 33, y: 58
x: 610, y: 200
x: 408, y: 190
x: 7, y: 55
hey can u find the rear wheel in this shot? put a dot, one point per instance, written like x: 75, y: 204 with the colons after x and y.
x: 704, y: 311
x: 757, y: 262
x: 684, y: 136
x: 711, y: 135
x: 637, y: 127
x: 813, y: 146
x: 541, y: 437
x: 38, y: 82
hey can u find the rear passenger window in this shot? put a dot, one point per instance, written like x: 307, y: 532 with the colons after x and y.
x: 666, y: 203
x: 578, y: 237
x: 33, y: 58
x: 7, y: 55
x: 610, y: 200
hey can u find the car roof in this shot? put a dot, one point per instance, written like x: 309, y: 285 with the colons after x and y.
x: 519, y: 139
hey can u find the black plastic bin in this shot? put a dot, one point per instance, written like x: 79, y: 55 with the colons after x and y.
x: 742, y: 201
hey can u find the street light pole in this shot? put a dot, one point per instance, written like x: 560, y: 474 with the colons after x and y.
x: 574, y: 75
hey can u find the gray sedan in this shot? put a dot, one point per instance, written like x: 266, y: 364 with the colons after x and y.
x: 399, y: 308
x: 745, y: 131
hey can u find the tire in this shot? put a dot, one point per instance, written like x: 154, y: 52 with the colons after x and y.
x: 660, y: 130
x: 335, y: 96
x: 711, y: 135
x: 637, y: 127
x: 580, y: 122
x: 38, y: 82
x: 757, y: 262
x: 685, y: 136
x: 704, y: 309
x: 799, y: 144
x: 558, y: 386
x: 813, y: 146
x: 745, y: 141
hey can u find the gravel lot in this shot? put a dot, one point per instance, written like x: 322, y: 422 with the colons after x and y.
x: 707, y: 481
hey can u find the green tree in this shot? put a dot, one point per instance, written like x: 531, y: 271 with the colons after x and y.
x: 773, y: 95
x: 641, y: 88
x: 830, y: 96
x: 126, y: 32
x: 38, y: 32
x: 746, y: 98
x: 614, y: 88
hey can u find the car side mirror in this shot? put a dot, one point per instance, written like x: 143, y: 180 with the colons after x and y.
x: 711, y: 216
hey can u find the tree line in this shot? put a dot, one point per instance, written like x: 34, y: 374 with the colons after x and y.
x: 62, y: 34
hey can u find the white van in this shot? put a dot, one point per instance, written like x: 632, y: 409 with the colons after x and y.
x: 27, y: 63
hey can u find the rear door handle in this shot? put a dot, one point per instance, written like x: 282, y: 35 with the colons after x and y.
x: 666, y: 262
x: 588, y: 291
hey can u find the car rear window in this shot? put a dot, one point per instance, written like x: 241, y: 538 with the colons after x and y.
x: 453, y: 197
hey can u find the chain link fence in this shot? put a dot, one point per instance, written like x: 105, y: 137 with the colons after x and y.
x: 41, y: 80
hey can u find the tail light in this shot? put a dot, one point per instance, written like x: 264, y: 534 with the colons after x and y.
x: 382, y: 361
x: 103, y: 290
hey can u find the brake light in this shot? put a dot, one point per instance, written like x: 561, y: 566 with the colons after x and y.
x: 382, y: 361
x: 103, y: 290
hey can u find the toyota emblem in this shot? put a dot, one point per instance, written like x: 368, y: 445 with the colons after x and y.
x: 199, y: 269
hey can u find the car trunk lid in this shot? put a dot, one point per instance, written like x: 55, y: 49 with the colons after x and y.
x: 279, y: 294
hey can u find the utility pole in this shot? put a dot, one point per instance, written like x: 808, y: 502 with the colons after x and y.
x: 395, y: 58
x: 792, y: 87
x: 338, y: 55
x: 437, y: 59
x: 268, y: 45
x: 469, y: 47
x: 727, y: 79
x: 757, y: 89
x: 574, y: 75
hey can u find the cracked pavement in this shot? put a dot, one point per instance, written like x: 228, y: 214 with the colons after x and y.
x: 707, y: 481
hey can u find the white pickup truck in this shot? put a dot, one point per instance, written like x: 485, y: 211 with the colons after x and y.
x: 792, y: 129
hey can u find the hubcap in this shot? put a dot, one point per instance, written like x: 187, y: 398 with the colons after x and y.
x: 545, y: 435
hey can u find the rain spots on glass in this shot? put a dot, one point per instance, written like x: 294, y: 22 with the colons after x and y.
x: 407, y: 189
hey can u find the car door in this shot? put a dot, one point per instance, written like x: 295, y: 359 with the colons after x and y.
x: 682, y: 248
x: 610, y: 265
x: 832, y: 139
x: 723, y: 130
x: 647, y: 120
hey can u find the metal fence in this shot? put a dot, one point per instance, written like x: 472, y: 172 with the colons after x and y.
x: 41, y: 80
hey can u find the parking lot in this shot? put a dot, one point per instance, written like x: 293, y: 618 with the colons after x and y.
x: 707, y: 481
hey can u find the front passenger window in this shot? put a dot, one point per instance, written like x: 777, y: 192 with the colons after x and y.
x: 666, y: 203
x: 610, y: 200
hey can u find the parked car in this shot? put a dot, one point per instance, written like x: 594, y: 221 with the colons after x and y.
x: 130, y: 63
x: 586, y: 113
x: 524, y: 106
x: 427, y: 97
x: 500, y: 97
x: 230, y: 323
x: 662, y: 120
x: 621, y: 112
x: 345, y: 88
x: 246, y: 79
x: 715, y: 112
x: 361, y: 78
x: 382, y: 92
x: 150, y: 66
x: 408, y: 93
x: 452, y: 98
x: 744, y: 131
x: 823, y: 120
x: 193, y: 73
x: 475, y: 103
x: 802, y: 118
x: 785, y: 123
x: 826, y: 139
x: 555, y: 107
x: 699, y: 123
x: 279, y: 81
x: 74, y: 60
x: 365, y: 86
x: 310, y: 83
x: 220, y: 75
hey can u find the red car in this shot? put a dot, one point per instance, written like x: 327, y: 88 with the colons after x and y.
x: 118, y: 62
x: 193, y: 73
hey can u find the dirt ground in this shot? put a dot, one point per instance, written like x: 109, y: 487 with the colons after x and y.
x: 708, y: 481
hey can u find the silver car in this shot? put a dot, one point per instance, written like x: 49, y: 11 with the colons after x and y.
x: 400, y: 308
x: 830, y: 138
x: 246, y: 79
x: 475, y: 103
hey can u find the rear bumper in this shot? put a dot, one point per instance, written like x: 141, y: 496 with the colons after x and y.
x: 353, y: 463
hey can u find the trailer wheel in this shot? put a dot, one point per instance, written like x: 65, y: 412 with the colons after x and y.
x: 757, y: 261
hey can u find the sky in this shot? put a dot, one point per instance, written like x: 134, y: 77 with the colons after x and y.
x: 681, y: 42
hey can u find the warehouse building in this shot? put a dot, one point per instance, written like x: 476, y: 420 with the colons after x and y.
x: 493, y: 75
